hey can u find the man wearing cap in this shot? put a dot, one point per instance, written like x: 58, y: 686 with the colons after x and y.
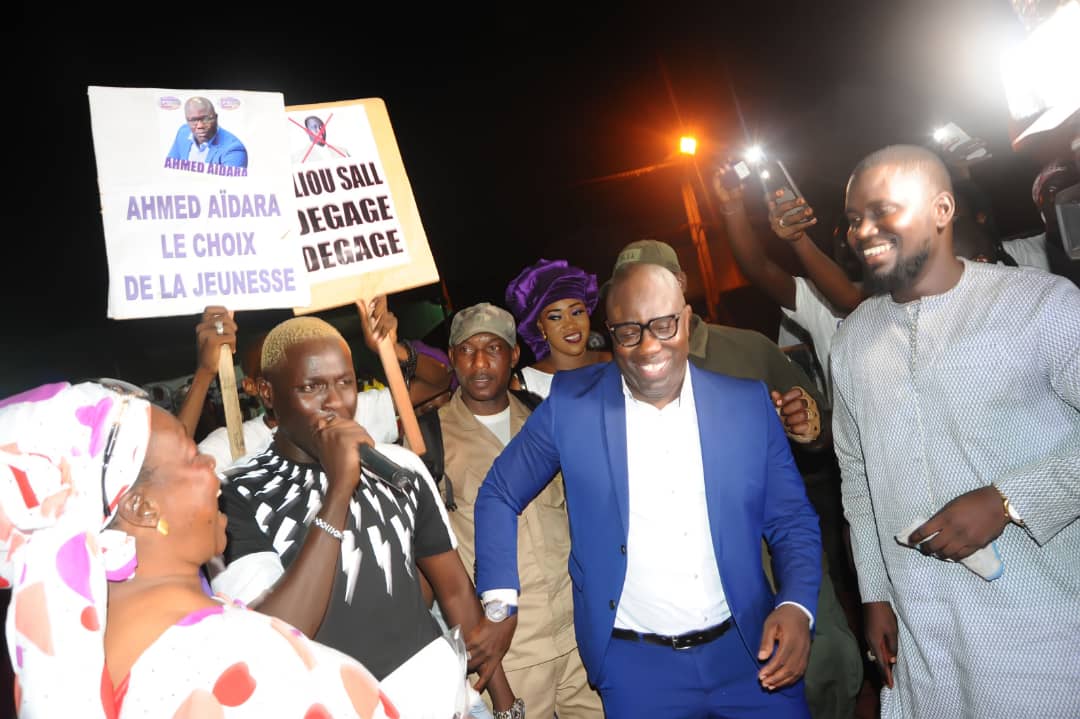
x: 834, y: 673
x: 740, y: 353
x: 542, y: 664
x: 673, y: 475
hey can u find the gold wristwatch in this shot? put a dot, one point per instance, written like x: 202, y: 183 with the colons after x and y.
x: 1010, y: 514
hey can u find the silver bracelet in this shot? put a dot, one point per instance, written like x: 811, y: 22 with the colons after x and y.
x: 516, y: 710
x: 329, y: 529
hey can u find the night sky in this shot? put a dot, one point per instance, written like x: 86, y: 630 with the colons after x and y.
x: 502, y: 120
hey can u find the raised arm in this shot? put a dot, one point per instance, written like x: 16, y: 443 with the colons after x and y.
x: 753, y: 261
x: 843, y: 294
x: 827, y: 276
x: 209, y: 343
x: 425, y: 376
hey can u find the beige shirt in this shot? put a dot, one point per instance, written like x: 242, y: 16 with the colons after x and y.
x: 545, y: 628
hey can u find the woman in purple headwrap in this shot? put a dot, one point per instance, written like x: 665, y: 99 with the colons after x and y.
x: 552, y: 301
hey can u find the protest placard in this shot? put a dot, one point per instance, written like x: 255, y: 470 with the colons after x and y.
x: 359, y: 227
x: 197, y: 201
x: 197, y: 207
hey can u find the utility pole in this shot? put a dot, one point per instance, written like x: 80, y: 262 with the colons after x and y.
x: 688, y: 146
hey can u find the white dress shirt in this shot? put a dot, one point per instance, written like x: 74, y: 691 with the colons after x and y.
x: 672, y: 581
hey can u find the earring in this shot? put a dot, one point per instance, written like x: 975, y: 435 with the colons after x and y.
x: 163, y: 528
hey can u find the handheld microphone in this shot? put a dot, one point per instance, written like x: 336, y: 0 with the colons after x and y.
x: 386, y: 469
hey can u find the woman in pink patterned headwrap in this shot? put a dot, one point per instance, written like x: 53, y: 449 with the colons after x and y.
x: 107, y: 513
x: 552, y: 301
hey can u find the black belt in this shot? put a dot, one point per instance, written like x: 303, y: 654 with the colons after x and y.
x: 682, y: 641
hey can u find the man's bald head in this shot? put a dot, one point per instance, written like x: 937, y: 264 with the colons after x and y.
x: 909, y: 158
x: 198, y: 105
x: 201, y: 118
x: 649, y: 322
x: 900, y: 209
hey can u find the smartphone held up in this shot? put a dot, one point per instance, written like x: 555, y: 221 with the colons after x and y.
x: 733, y: 173
x: 776, y: 182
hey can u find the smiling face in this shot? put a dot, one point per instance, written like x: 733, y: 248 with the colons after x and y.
x: 565, y: 324
x: 653, y: 369
x: 185, y: 487
x: 896, y: 226
x: 315, y: 379
x: 483, y: 363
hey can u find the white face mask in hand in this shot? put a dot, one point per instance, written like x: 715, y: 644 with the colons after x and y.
x: 985, y: 562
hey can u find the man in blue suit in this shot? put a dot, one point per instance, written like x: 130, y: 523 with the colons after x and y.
x: 200, y: 139
x: 673, y: 475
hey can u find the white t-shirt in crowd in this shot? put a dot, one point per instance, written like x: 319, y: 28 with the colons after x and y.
x: 1028, y: 251
x: 819, y: 319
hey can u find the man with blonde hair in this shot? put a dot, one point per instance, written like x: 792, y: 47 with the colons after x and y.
x: 318, y: 540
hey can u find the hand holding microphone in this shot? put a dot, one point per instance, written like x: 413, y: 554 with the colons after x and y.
x: 345, y: 447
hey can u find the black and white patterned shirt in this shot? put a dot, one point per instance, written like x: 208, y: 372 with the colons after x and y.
x: 377, y: 612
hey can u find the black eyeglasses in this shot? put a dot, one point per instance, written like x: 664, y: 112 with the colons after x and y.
x: 204, y: 119
x: 630, y: 334
x: 127, y: 391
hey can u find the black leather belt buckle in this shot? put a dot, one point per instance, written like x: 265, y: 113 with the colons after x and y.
x: 681, y: 641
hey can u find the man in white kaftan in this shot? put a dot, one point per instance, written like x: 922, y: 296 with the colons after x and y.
x: 957, y: 400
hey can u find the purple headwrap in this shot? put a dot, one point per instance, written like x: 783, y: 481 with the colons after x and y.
x: 536, y: 287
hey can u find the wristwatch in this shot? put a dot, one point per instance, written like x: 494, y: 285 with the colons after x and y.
x: 516, y: 710
x: 1011, y: 515
x: 497, y: 610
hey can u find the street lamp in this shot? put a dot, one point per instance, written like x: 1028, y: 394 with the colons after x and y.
x: 688, y: 146
x: 684, y: 157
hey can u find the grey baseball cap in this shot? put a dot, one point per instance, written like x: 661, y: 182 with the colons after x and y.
x: 483, y: 317
x: 653, y: 252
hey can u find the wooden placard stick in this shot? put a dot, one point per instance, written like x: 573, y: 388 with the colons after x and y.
x: 234, y: 420
x: 398, y: 390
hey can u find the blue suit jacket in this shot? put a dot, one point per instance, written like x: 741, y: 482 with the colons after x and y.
x: 225, y: 148
x: 752, y: 488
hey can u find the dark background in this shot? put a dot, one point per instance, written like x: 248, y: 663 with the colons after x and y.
x: 503, y: 118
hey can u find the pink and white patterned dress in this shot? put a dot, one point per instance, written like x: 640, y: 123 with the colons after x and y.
x: 222, y: 662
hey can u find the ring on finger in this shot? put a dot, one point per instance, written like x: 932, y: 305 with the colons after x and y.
x: 219, y: 327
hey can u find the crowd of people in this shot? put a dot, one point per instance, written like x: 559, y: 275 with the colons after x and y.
x: 645, y: 529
